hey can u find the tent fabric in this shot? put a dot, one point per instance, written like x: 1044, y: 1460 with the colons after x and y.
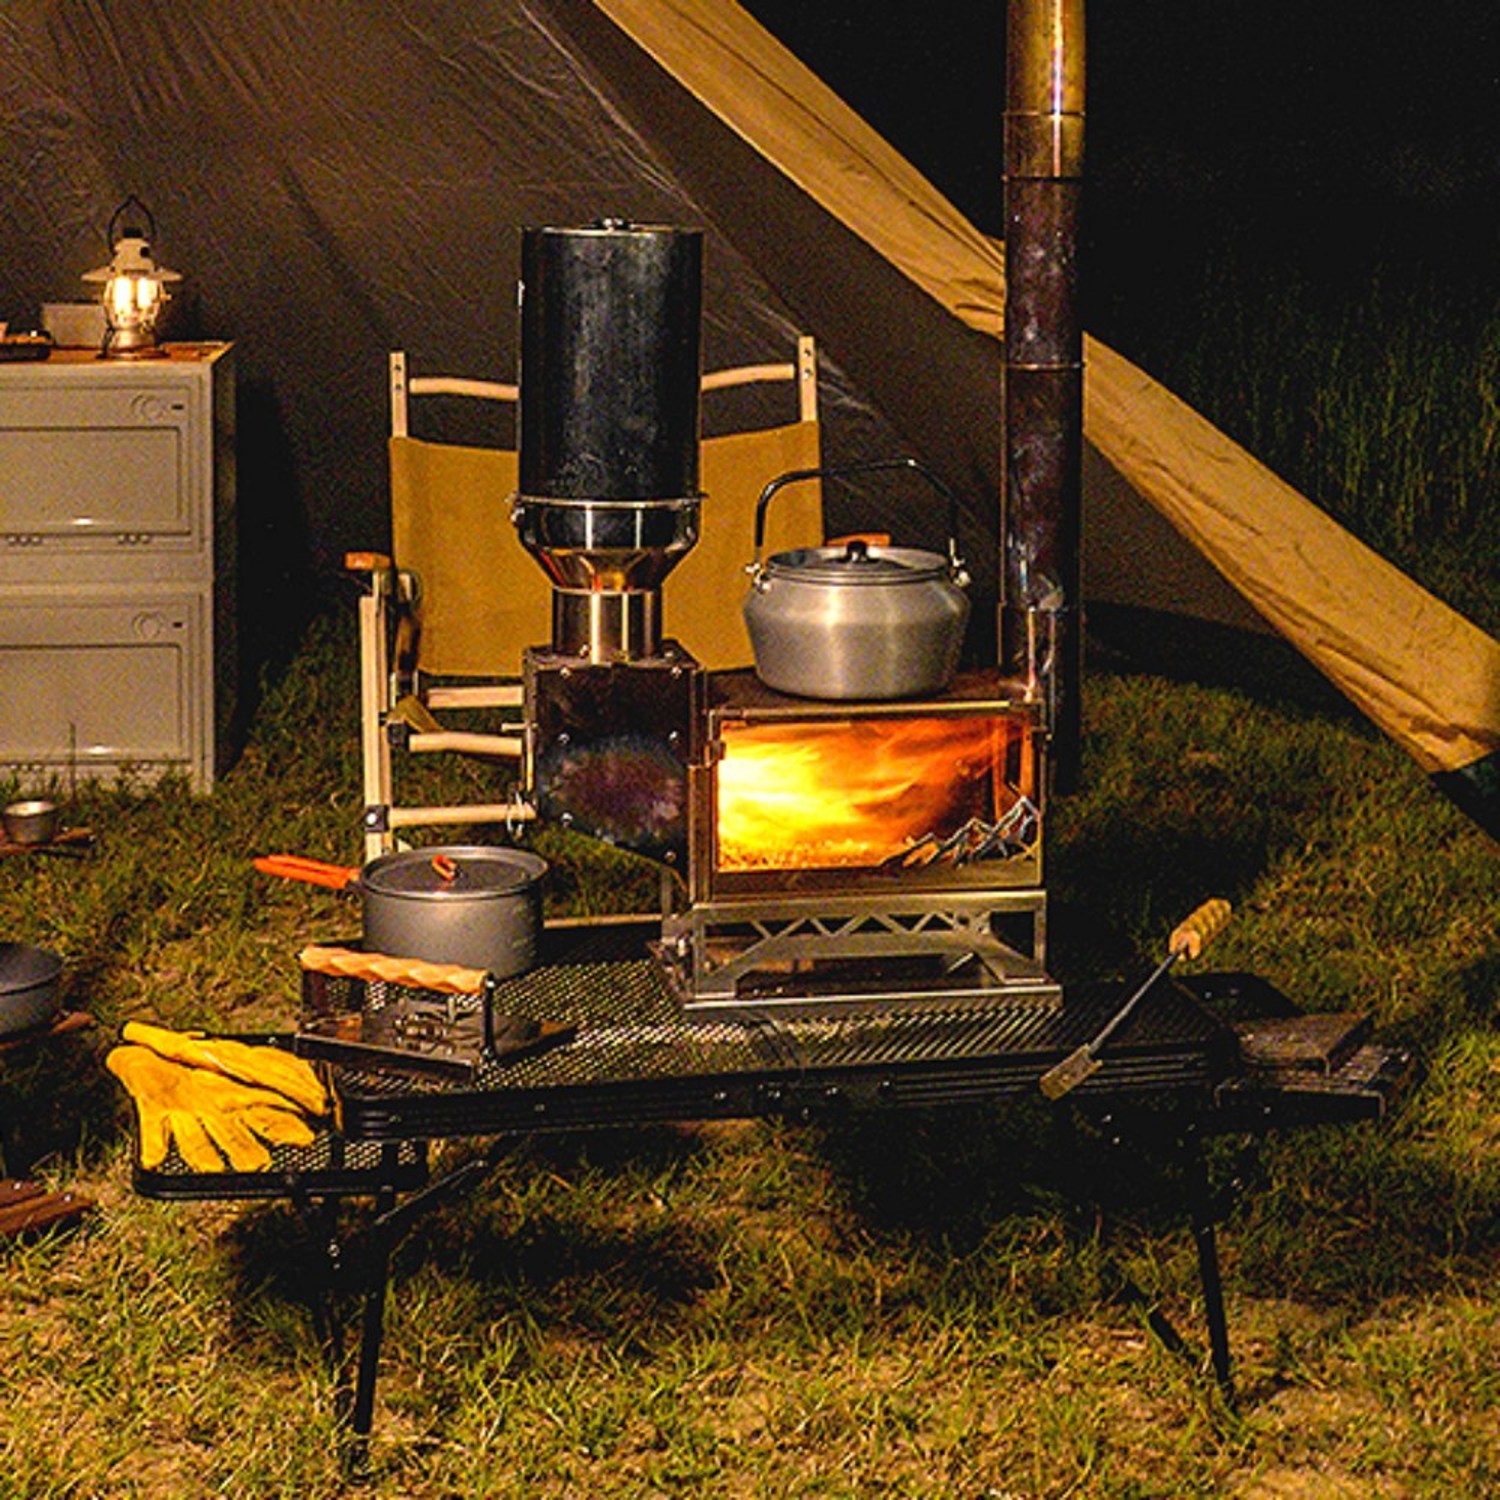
x: 926, y: 383
x: 1422, y: 672
x: 733, y: 66
x: 332, y: 191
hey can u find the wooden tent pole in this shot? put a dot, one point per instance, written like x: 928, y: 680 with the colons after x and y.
x: 1041, y: 630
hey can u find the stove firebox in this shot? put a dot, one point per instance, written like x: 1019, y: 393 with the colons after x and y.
x: 612, y: 744
x: 859, y: 854
x: 795, y: 796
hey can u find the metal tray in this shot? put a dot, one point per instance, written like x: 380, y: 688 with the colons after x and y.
x: 331, y: 1167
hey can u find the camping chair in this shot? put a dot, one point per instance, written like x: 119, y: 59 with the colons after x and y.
x: 444, y: 620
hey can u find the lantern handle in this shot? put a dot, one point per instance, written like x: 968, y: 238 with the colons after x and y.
x: 119, y: 214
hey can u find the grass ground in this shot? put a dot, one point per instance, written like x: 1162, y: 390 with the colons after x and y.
x: 1363, y: 368
x: 912, y: 1307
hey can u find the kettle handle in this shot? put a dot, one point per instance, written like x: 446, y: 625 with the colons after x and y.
x: 864, y: 466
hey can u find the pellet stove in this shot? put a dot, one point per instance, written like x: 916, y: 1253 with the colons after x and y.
x: 826, y: 855
x: 609, y: 504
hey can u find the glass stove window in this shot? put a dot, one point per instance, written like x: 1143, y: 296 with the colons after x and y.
x: 861, y: 792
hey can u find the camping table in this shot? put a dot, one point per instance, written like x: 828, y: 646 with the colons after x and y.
x: 635, y: 1059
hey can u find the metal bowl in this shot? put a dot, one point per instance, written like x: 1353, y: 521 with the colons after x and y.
x: 28, y: 987
x: 33, y: 822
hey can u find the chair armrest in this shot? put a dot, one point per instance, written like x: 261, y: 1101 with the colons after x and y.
x: 464, y: 743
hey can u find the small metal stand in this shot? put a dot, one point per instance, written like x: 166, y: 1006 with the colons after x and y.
x: 376, y: 1019
x: 829, y: 955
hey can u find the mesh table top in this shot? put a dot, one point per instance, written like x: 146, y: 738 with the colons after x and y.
x: 329, y: 1167
x: 633, y: 1055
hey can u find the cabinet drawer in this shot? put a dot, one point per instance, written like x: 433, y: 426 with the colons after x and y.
x: 103, y: 465
x: 93, y: 684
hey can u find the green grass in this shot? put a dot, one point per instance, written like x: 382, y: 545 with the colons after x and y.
x: 904, y: 1307
x: 1375, y: 391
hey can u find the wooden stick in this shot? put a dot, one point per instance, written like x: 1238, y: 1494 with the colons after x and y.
x: 41, y: 1212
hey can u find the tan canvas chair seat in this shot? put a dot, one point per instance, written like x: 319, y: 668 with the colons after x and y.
x: 447, y: 617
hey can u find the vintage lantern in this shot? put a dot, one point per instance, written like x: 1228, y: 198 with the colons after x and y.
x: 133, y: 287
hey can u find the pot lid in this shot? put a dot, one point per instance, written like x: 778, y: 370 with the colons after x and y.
x: 857, y: 562
x: 22, y: 966
x: 444, y: 873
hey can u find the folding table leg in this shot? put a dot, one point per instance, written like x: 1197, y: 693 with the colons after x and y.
x: 1204, y: 1219
x: 1203, y: 1216
x: 391, y: 1222
x: 319, y: 1218
x: 376, y: 1267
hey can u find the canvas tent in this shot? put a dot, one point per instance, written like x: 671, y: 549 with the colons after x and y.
x: 337, y: 181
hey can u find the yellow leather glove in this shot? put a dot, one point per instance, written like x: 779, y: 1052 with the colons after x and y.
x: 263, y: 1067
x: 205, y: 1113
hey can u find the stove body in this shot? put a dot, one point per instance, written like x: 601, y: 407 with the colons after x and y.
x: 825, y: 855
x: 608, y: 505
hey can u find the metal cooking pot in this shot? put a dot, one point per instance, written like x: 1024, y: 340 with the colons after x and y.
x: 479, y: 906
x: 858, y: 621
x: 31, y: 822
x: 28, y: 987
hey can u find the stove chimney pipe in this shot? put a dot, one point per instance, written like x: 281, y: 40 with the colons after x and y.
x: 1040, y: 628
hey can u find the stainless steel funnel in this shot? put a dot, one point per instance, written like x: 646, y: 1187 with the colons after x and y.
x: 607, y: 560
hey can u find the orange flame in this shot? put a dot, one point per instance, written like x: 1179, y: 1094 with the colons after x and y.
x: 855, y: 792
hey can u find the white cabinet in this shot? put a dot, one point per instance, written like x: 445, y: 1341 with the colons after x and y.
x: 117, y: 551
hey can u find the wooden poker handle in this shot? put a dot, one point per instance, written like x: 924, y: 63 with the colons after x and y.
x: 1192, y: 934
